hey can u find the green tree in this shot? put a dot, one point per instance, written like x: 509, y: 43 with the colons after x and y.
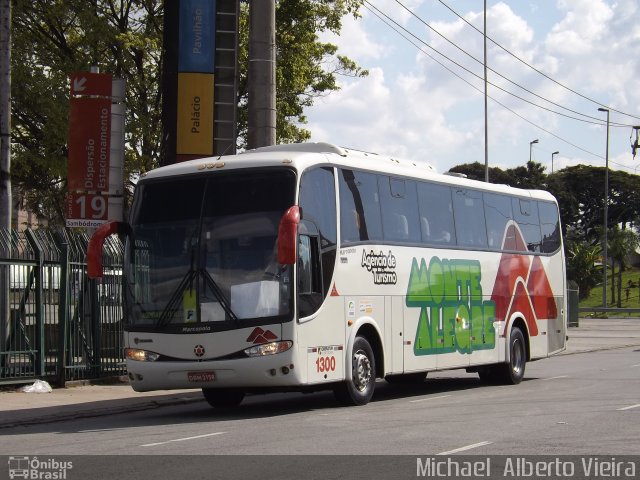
x: 621, y: 244
x: 581, y: 266
x: 580, y: 193
x: 529, y: 176
x: 475, y: 171
x: 52, y: 38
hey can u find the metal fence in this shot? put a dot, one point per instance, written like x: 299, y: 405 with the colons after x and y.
x: 55, y: 323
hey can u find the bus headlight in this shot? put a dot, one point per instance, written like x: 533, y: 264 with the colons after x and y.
x: 269, y: 348
x: 140, y: 355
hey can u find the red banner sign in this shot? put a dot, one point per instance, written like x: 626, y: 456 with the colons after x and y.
x: 89, y: 149
x: 89, y: 144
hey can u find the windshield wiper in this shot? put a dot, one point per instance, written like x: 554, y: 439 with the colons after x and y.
x: 187, y: 282
x: 217, y: 292
x: 174, y: 302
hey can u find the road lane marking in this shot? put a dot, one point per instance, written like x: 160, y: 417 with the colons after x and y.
x: 427, y: 399
x: 467, y: 447
x: 554, y: 378
x: 182, y: 439
x: 636, y: 365
x: 629, y: 407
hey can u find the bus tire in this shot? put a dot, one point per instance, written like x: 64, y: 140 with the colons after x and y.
x: 359, y: 390
x: 223, y: 397
x: 415, y: 378
x: 512, y: 372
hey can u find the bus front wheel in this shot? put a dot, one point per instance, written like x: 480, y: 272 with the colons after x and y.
x: 223, y: 397
x: 359, y: 390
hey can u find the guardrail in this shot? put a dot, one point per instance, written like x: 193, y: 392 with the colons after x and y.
x: 608, y: 310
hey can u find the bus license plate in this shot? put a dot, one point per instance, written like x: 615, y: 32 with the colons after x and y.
x: 201, y: 376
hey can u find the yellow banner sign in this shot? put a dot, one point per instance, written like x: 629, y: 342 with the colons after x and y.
x: 195, y: 114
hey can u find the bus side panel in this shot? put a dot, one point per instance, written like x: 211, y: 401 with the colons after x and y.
x: 421, y: 347
x: 321, y: 341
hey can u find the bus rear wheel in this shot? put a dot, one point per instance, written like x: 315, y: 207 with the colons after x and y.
x: 359, y: 390
x: 223, y: 397
x: 511, y: 372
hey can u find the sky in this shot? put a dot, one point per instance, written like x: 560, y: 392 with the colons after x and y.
x: 410, y: 106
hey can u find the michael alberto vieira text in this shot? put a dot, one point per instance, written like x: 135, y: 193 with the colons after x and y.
x: 523, y: 467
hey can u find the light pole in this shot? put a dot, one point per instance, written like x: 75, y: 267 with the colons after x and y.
x: 486, y: 126
x: 606, y: 212
x: 552, y: 155
x: 531, y: 146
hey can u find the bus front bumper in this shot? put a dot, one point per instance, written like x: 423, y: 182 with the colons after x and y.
x: 272, y: 371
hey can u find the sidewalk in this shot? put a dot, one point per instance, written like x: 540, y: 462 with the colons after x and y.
x: 17, y: 408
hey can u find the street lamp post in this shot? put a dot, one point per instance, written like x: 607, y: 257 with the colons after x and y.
x: 531, y: 146
x: 486, y: 126
x: 606, y: 213
x: 552, y: 155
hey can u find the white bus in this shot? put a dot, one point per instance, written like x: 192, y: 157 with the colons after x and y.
x: 309, y: 266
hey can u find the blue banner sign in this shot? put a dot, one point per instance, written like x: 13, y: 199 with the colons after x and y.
x: 196, y: 38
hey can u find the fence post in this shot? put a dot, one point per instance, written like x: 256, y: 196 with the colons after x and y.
x: 95, y: 326
x: 40, y: 334
x: 5, y: 295
x: 63, y: 313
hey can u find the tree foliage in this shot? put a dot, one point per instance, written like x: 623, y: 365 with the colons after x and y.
x: 53, y: 38
x: 582, y: 266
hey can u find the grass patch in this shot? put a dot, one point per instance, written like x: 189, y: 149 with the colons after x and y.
x: 630, y: 301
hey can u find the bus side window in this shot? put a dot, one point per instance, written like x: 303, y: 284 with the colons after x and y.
x: 468, y: 209
x: 309, y: 275
x: 359, y: 193
x: 550, y: 226
x: 497, y: 209
x: 525, y: 213
x: 398, y: 200
x: 436, y: 214
x: 318, y: 228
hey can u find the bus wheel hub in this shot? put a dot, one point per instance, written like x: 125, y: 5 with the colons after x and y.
x: 361, y: 370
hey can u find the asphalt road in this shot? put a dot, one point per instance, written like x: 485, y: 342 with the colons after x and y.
x: 574, y: 404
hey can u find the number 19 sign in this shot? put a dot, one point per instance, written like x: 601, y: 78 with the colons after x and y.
x: 86, y: 209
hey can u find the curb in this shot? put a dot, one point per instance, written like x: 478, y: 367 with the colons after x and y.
x: 103, y: 411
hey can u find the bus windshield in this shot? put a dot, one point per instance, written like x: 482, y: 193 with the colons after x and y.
x: 203, y: 252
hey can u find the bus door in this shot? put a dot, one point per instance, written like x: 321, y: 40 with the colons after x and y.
x: 394, y: 335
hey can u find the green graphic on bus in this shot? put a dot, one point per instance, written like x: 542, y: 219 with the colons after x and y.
x: 453, y: 315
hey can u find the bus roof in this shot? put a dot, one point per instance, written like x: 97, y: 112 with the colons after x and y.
x: 301, y: 156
